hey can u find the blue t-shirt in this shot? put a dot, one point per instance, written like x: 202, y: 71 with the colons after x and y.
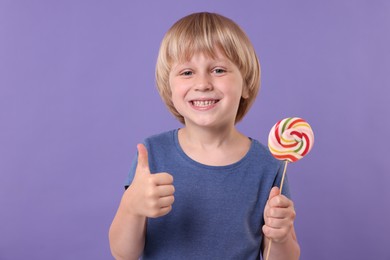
x: 218, y: 210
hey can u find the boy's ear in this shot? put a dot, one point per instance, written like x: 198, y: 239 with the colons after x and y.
x: 245, y: 92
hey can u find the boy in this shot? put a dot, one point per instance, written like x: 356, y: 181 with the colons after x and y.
x: 204, y: 191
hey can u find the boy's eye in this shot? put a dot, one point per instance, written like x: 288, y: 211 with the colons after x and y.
x: 186, y: 73
x: 219, y: 71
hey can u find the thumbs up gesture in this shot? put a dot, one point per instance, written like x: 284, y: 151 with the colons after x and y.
x: 149, y: 195
x: 279, y: 215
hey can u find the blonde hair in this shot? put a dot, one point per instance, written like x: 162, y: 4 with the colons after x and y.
x: 204, y: 33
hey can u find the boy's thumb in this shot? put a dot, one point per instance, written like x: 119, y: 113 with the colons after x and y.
x: 274, y: 192
x: 143, y: 163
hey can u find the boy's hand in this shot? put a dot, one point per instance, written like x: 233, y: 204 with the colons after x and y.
x: 279, y: 215
x: 149, y: 195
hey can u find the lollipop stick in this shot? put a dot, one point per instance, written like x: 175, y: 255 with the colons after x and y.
x: 284, y: 174
x: 280, y: 192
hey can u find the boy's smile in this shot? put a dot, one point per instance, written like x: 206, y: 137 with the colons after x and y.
x: 207, y: 91
x: 204, y: 104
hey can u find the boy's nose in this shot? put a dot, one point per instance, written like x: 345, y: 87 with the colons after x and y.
x: 203, y: 83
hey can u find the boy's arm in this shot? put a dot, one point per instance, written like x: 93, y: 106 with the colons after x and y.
x: 279, y: 216
x: 127, y: 234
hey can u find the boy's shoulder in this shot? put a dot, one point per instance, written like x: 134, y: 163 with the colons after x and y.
x: 161, y: 143
x: 164, y: 137
x: 261, y: 151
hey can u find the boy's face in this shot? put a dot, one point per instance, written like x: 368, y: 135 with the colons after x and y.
x: 207, y: 91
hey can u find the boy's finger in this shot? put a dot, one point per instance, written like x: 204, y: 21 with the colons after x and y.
x: 273, y: 193
x: 280, y: 201
x: 143, y: 162
x: 163, y: 178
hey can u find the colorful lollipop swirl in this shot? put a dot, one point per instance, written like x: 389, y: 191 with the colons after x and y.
x: 290, y: 139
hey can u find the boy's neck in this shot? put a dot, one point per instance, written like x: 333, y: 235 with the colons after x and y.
x: 208, y: 138
x: 215, y: 147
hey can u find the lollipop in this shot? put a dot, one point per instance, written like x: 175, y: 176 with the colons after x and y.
x: 289, y: 140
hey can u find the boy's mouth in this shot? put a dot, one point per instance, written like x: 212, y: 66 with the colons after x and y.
x: 204, y: 103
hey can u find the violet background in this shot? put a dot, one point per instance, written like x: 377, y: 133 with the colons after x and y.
x: 77, y: 94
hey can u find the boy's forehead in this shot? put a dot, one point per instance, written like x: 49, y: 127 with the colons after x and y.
x: 215, y: 54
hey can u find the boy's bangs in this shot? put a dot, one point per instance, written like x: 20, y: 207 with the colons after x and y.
x: 189, y: 43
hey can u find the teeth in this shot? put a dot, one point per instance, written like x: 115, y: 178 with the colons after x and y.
x: 203, y: 103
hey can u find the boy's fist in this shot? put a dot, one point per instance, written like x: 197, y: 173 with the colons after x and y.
x: 150, y: 195
x: 279, y: 215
